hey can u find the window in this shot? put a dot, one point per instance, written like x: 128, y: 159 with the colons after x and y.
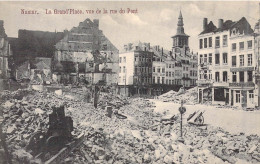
x: 210, y: 41
x: 216, y: 58
x: 135, y: 58
x: 241, y: 76
x: 170, y: 74
x: 158, y: 70
x: 210, y: 58
x: 183, y: 68
x: 225, y: 40
x: 163, y: 80
x: 242, y: 62
x: 249, y: 76
x: 119, y: 69
x: 234, y: 46
x: 225, y: 76
x: 124, y: 59
x: 163, y: 70
x: 217, y: 41
x: 158, y: 80
x: 217, y: 76
x: 237, y: 96
x: 249, y: 44
x: 124, y: 69
x: 166, y: 73
x: 167, y: 66
x: 120, y: 60
x: 205, y: 58
x: 251, y: 96
x: 205, y: 42
x: 119, y: 79
x: 249, y: 60
x: 153, y: 69
x: 170, y: 66
x: 190, y: 73
x: 234, y: 61
x: 136, y: 70
x: 201, y: 59
x: 241, y: 45
x: 201, y: 43
x: 225, y: 58
x: 234, y: 77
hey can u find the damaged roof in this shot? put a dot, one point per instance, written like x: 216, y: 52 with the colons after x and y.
x: 241, y: 25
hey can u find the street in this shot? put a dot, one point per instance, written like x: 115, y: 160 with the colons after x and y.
x: 230, y: 119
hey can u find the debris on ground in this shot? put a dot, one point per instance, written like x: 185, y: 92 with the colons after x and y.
x: 143, y: 136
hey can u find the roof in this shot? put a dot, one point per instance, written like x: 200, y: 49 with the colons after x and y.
x: 242, y: 25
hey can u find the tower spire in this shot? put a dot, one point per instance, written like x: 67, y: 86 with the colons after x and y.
x: 180, y: 28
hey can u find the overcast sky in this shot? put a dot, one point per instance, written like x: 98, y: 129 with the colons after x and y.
x: 155, y: 22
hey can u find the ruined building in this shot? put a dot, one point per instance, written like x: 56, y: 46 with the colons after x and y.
x: 5, y: 53
x: 86, y: 53
x: 5, y: 58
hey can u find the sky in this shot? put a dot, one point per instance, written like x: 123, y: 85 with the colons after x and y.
x: 154, y: 22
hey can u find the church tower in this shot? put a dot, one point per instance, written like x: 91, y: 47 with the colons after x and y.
x: 180, y: 40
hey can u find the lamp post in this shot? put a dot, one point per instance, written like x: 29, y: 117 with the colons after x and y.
x: 182, y: 110
x: 125, y: 80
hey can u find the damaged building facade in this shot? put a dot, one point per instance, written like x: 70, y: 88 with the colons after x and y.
x: 227, y: 64
x: 5, y: 56
x: 86, y: 53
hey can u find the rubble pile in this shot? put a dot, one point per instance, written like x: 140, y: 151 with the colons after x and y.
x: 190, y: 96
x: 140, y: 138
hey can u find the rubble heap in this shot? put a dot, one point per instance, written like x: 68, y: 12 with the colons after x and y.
x: 141, y: 138
x: 190, y: 96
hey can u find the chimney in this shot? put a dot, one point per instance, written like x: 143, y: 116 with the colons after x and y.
x: 220, y: 23
x: 205, y: 23
x: 96, y: 23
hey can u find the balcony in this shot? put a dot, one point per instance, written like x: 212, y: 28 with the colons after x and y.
x: 241, y: 84
x: 204, y: 82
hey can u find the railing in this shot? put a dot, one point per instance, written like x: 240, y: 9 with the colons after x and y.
x: 241, y: 84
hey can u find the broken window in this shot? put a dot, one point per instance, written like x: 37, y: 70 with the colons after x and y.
x: 241, y: 76
x: 242, y: 61
x: 225, y: 58
x: 225, y: 76
x: 250, y: 76
x: 234, y: 61
x: 216, y: 58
